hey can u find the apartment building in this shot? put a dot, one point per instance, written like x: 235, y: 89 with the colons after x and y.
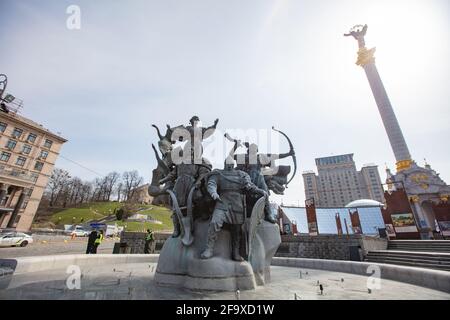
x: 28, y: 153
x: 338, y: 182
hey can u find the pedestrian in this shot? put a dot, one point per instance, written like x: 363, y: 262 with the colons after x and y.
x: 148, y: 241
x: 91, y: 241
x: 97, y: 241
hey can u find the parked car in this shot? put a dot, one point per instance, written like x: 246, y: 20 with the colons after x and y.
x: 15, y: 239
x: 80, y: 232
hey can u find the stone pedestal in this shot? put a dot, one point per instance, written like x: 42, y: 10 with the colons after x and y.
x: 181, y: 266
x: 265, y: 245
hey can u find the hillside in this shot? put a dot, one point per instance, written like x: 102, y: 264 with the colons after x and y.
x: 105, y: 211
x: 157, y: 213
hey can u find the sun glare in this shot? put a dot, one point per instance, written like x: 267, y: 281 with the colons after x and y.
x: 405, y: 33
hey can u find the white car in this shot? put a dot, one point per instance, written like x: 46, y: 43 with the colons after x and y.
x: 80, y: 232
x: 15, y: 239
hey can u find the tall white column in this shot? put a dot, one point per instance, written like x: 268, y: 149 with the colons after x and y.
x: 367, y: 61
x: 390, y: 122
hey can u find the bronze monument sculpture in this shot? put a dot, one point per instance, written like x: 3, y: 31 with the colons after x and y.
x: 228, y: 188
x: 225, y: 234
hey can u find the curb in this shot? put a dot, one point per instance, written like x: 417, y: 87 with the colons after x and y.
x: 41, y: 263
x: 428, y: 278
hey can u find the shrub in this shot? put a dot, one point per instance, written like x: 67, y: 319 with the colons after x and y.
x: 127, y: 210
x: 119, y: 214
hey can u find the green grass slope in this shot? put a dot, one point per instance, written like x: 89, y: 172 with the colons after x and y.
x: 99, y: 210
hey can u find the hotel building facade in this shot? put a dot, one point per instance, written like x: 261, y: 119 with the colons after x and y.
x: 339, y: 183
x: 28, y: 153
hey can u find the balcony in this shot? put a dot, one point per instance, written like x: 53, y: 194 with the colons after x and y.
x: 16, y: 174
x: 4, y: 208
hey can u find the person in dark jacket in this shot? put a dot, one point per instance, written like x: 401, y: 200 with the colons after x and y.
x: 91, y: 240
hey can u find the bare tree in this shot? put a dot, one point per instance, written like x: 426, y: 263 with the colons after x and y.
x: 63, y: 190
x: 131, y: 181
x: 57, y: 184
x: 119, y: 190
x: 99, y: 189
x: 110, y: 182
x: 86, y: 191
x: 75, y: 190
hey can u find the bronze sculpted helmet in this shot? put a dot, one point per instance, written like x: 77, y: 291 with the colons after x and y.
x: 228, y: 163
x: 194, y: 118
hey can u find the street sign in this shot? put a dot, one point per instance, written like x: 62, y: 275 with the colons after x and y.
x: 98, y: 225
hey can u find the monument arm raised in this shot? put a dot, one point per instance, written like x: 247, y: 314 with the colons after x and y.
x: 237, y: 144
x: 358, y: 32
x: 209, y: 131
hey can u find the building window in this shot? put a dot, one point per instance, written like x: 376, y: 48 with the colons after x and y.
x: 5, y: 156
x: 21, y: 161
x: 48, y: 143
x: 17, y: 133
x: 38, y: 166
x: 3, y: 126
x: 34, y: 177
x: 31, y: 137
x: 11, y: 144
x: 26, y: 149
x: 24, y: 205
x: 43, y: 154
x: 29, y: 192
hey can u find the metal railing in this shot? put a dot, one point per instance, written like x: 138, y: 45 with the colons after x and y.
x: 13, y: 172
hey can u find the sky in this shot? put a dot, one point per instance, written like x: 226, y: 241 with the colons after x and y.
x: 252, y: 64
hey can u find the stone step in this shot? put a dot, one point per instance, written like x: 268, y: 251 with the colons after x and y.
x: 408, y: 252
x: 438, y: 260
x: 412, y: 264
x: 420, y: 249
x: 440, y: 255
x: 421, y: 241
x: 420, y: 245
x: 406, y: 262
x: 413, y: 246
x: 424, y: 243
x: 423, y: 260
x: 416, y: 265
